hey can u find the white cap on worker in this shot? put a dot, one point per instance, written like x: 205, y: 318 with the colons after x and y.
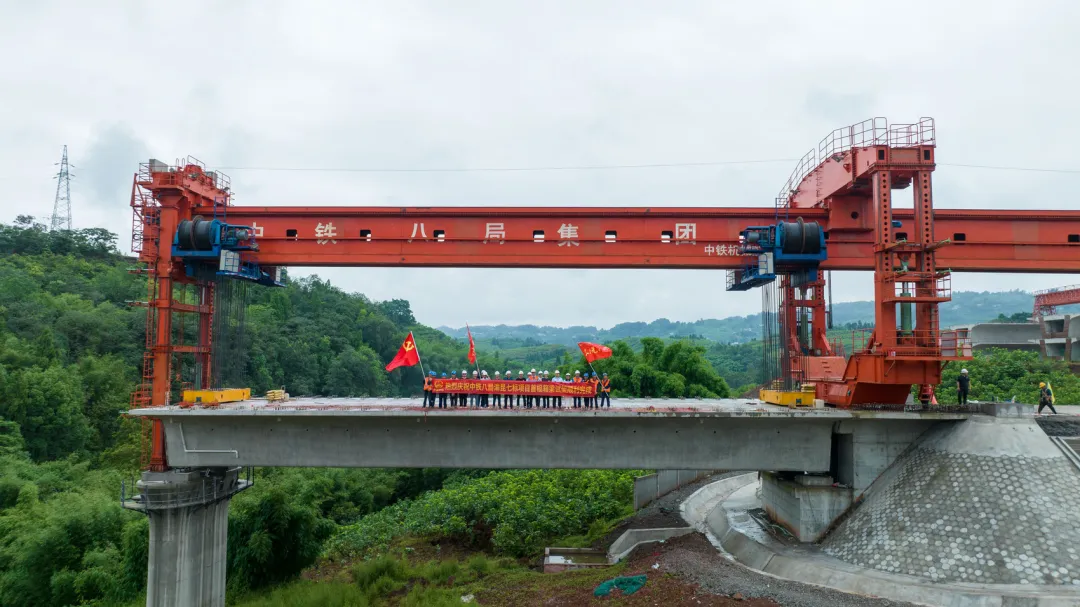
x: 577, y: 372
x: 508, y: 373
x: 521, y: 373
x: 964, y: 371
x: 496, y: 374
x: 556, y: 371
x: 532, y: 370
x: 474, y: 373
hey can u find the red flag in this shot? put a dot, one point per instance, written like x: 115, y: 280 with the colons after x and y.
x: 407, y: 356
x: 594, y: 351
x: 472, y: 346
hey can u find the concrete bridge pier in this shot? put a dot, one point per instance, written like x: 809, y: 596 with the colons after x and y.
x: 189, y: 518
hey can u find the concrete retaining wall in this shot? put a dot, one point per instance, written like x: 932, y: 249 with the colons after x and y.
x: 652, y: 486
x: 621, y: 547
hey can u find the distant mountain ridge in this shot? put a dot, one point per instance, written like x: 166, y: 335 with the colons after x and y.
x: 966, y: 307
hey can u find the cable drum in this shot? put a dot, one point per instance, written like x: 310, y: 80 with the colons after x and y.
x: 801, y: 238
x: 195, y: 235
x: 183, y: 235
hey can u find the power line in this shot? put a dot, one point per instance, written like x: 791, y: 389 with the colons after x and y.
x: 599, y: 167
x: 1008, y: 168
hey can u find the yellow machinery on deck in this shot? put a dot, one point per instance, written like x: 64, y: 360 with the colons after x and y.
x: 212, y: 398
x: 803, y: 397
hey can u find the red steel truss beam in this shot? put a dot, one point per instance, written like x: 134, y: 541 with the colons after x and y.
x: 677, y: 237
x: 1046, y: 302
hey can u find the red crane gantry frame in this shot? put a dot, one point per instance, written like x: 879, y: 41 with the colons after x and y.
x: 1047, y: 301
x: 846, y: 185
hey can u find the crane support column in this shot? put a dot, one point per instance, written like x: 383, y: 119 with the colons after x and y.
x: 189, y: 518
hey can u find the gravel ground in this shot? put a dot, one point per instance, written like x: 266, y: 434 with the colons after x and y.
x: 1059, y: 426
x: 694, y: 559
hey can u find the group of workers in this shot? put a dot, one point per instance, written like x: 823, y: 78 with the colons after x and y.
x: 601, y: 388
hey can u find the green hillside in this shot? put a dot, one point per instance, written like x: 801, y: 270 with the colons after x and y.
x: 966, y: 307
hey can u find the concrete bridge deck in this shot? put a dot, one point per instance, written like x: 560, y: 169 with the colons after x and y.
x: 732, y: 434
x: 648, y: 407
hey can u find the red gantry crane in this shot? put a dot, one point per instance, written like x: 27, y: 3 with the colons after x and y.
x: 1048, y: 300
x: 836, y: 212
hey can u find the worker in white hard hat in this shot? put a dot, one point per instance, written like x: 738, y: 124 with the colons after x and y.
x: 484, y: 392
x: 520, y: 396
x: 577, y: 380
x: 496, y: 398
x: 530, y: 400
x: 545, y: 400
x: 462, y: 398
x: 509, y: 399
x: 963, y: 384
x: 557, y: 399
x: 474, y: 398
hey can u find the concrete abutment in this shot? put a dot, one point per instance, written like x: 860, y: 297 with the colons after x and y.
x: 189, y: 518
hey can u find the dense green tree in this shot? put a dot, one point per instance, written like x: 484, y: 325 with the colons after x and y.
x: 272, y: 537
x: 357, y: 372
x: 107, y: 382
x: 11, y: 440
x: 675, y: 370
x: 48, y: 406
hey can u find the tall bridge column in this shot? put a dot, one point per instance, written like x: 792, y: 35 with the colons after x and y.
x: 189, y: 519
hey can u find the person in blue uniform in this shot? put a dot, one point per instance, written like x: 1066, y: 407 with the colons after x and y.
x: 442, y: 396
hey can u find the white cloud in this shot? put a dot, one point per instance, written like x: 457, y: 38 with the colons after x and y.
x: 495, y: 83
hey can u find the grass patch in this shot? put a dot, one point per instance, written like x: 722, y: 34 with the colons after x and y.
x: 441, y: 573
x: 480, y: 565
x: 310, y: 594
x: 389, y: 580
x: 523, y: 586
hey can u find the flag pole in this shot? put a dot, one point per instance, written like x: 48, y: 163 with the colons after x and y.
x: 476, y: 361
x: 422, y: 374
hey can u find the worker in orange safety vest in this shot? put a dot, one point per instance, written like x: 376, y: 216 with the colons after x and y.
x: 577, y: 380
x: 591, y: 401
x: 605, y: 392
x: 429, y: 396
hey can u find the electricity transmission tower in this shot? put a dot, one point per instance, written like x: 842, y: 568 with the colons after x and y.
x: 61, y: 217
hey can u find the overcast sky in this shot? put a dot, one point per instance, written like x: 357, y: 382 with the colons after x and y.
x: 500, y: 83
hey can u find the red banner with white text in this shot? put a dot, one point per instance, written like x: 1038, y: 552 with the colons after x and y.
x: 525, y: 388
